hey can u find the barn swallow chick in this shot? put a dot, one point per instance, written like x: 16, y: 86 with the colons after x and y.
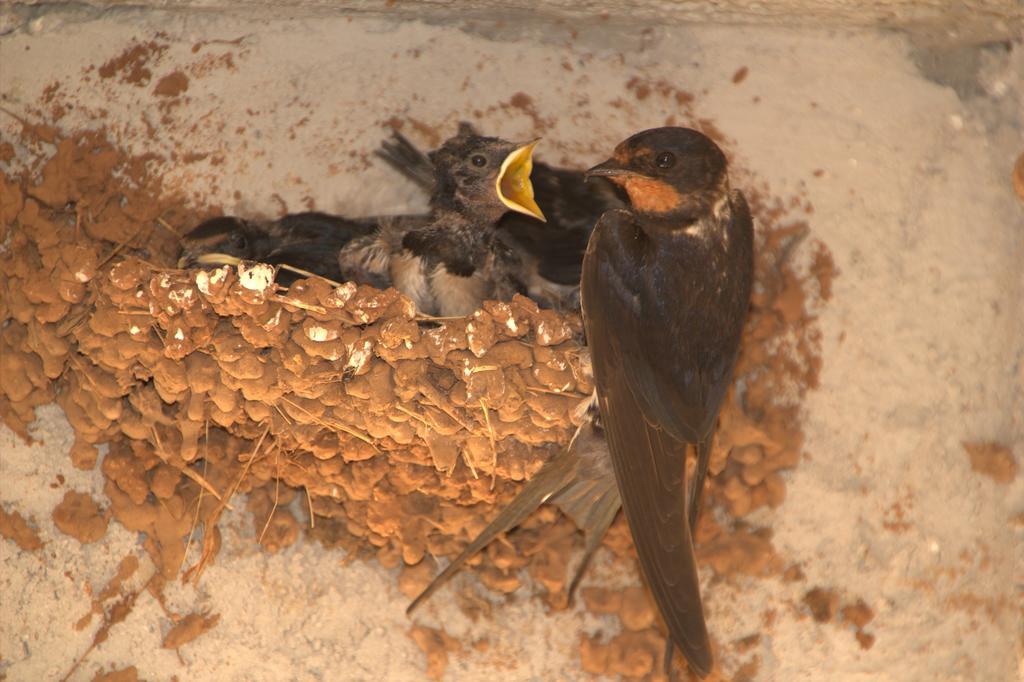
x: 455, y: 261
x: 665, y: 289
x: 579, y: 481
x: 306, y: 242
x: 551, y: 253
x: 233, y: 237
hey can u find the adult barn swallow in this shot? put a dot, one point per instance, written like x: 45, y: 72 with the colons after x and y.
x: 665, y: 289
x: 579, y: 481
x: 455, y: 261
x: 551, y: 252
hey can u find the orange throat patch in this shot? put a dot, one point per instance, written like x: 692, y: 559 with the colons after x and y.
x: 648, y: 195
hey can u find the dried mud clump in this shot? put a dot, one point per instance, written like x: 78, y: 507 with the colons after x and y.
x: 189, y: 628
x: 436, y: 645
x: 14, y: 527
x: 65, y: 218
x: 993, y: 460
x: 859, y: 614
x: 129, y: 674
x: 822, y: 604
x: 113, y: 590
x: 79, y: 516
x: 634, y: 652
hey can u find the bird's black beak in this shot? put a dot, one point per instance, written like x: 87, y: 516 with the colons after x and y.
x: 608, y: 169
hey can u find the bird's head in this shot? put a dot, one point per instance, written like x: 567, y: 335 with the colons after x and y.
x: 667, y: 171
x: 484, y: 176
x: 219, y: 241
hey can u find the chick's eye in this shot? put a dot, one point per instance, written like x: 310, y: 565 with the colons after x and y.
x: 479, y: 160
x: 238, y: 240
x: 665, y: 160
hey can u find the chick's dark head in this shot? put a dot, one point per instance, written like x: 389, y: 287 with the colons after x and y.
x: 484, y: 176
x: 226, y: 235
x: 667, y: 170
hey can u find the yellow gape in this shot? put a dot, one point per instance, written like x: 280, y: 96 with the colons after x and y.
x: 214, y: 259
x: 513, y: 184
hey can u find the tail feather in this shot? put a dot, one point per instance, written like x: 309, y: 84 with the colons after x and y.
x: 403, y: 156
x: 697, y: 487
x: 549, y: 480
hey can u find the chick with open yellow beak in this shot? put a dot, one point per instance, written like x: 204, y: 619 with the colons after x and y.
x: 458, y: 259
x: 513, y: 183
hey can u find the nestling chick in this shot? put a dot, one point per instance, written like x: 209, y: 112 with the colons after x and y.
x: 307, y: 241
x: 454, y: 262
x: 551, y: 253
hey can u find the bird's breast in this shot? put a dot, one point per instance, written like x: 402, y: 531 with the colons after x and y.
x: 409, y: 275
x: 457, y: 296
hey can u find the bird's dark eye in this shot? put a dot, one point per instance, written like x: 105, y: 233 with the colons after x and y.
x: 665, y: 160
x: 479, y: 160
x: 239, y: 241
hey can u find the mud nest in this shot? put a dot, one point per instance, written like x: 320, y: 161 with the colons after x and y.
x: 401, y: 433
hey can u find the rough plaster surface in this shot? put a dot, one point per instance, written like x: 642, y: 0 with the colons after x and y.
x: 922, y: 346
x: 969, y: 19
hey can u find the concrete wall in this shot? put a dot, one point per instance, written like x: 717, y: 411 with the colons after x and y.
x: 964, y: 21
